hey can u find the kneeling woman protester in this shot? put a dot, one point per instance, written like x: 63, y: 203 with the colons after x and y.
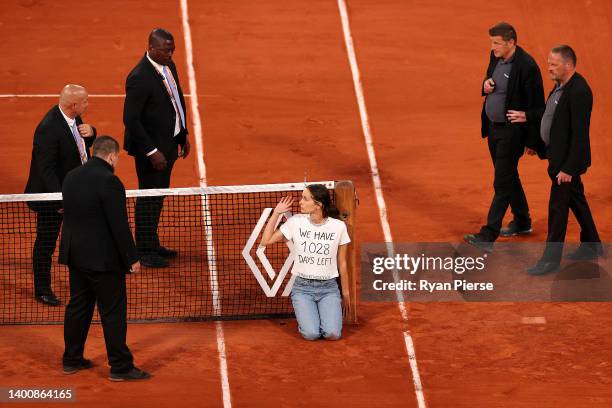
x: 320, y: 242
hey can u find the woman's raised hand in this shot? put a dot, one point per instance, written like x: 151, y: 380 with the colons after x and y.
x: 283, y: 205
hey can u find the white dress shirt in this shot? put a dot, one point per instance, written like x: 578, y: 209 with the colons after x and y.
x: 69, y: 121
x: 177, y: 122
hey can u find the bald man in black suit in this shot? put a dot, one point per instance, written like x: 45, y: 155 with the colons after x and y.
x: 61, y: 143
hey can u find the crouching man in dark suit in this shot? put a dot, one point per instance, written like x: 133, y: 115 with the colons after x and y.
x: 98, y: 247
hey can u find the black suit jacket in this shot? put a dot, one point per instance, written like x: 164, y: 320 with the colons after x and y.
x: 148, y: 113
x: 96, y: 234
x: 54, y: 153
x: 570, y: 147
x: 525, y: 93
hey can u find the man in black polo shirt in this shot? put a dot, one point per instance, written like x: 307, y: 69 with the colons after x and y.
x: 565, y: 143
x: 513, y: 82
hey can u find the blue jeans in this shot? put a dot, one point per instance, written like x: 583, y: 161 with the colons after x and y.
x: 318, y: 308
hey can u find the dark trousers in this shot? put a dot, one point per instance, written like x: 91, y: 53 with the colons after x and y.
x: 48, y: 223
x: 148, y: 209
x: 563, y: 198
x: 108, y: 290
x: 506, y: 149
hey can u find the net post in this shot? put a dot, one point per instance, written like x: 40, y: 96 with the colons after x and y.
x: 346, y: 201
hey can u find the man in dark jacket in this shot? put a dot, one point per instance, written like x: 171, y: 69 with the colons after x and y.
x: 61, y: 143
x: 564, y: 141
x: 513, y: 82
x: 156, y: 135
x: 98, y: 248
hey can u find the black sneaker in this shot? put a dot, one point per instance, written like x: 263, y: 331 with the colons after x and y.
x: 586, y: 252
x: 134, y: 374
x: 49, y: 300
x: 84, y: 364
x: 166, y: 252
x: 479, y: 241
x: 153, y: 260
x: 515, y: 229
x: 543, y: 268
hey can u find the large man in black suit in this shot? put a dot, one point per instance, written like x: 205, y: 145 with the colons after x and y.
x: 61, y: 143
x: 156, y: 135
x: 565, y: 143
x: 513, y: 83
x: 98, y: 248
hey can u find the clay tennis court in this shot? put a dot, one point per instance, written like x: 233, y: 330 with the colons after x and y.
x: 277, y: 99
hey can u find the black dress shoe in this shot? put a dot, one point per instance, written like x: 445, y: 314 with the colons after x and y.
x: 132, y: 375
x: 166, y: 252
x: 49, y: 300
x: 586, y: 252
x: 84, y: 364
x: 479, y: 242
x: 515, y: 229
x: 153, y: 260
x: 543, y: 268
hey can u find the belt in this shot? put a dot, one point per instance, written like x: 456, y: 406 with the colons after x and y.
x: 314, y: 279
x: 498, y: 124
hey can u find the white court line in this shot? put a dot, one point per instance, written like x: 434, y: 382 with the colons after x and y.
x: 210, y: 249
x: 382, y: 207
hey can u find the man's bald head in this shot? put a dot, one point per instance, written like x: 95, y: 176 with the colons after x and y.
x: 73, y: 100
x: 71, y: 93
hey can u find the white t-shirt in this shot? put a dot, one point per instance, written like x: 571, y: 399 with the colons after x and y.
x: 315, y: 246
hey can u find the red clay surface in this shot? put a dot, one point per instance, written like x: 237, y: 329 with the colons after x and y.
x: 277, y: 100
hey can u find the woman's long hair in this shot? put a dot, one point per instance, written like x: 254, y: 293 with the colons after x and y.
x: 321, y: 195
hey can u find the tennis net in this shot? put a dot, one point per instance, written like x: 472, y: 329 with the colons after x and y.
x: 219, y: 272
